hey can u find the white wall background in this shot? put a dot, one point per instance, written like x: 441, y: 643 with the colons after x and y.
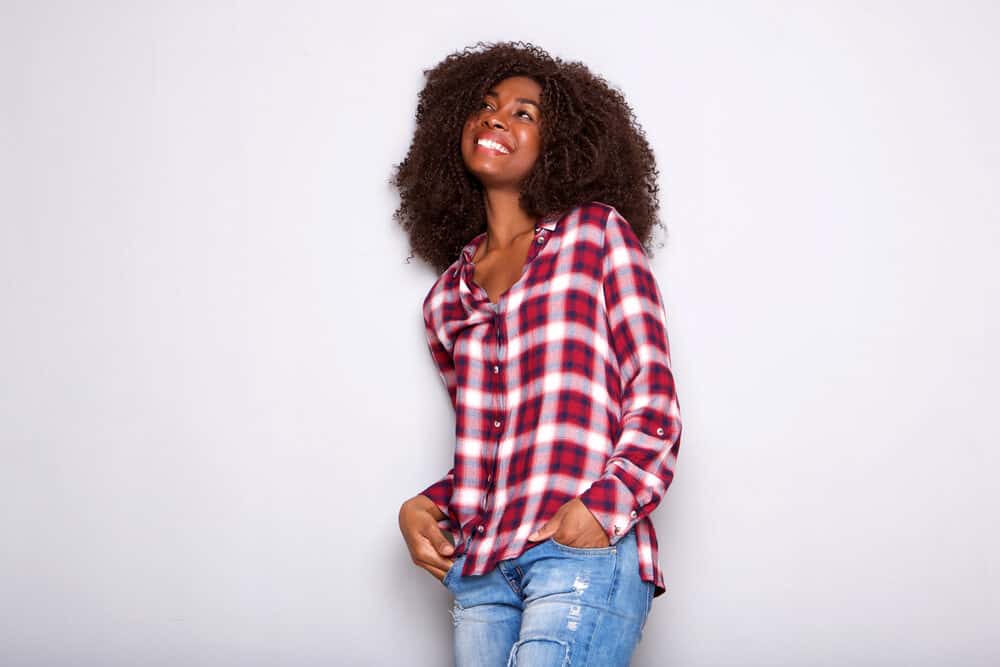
x: 214, y: 390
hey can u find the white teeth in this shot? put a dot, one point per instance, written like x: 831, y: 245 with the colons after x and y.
x: 494, y: 145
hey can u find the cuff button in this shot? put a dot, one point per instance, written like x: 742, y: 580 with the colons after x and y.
x: 659, y: 431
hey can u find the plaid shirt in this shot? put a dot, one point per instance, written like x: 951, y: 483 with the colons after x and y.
x: 562, y: 389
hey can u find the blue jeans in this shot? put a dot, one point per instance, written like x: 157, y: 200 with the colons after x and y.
x: 554, y: 605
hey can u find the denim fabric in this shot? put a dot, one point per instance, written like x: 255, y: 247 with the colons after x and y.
x: 554, y: 605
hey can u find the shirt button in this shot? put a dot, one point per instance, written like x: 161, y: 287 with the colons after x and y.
x: 540, y: 240
x: 618, y: 530
x: 634, y: 514
x: 480, y: 529
x: 496, y: 369
x: 659, y: 431
x: 489, y: 478
x: 497, y: 423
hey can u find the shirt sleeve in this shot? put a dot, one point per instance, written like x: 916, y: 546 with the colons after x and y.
x: 641, y: 464
x: 440, y: 491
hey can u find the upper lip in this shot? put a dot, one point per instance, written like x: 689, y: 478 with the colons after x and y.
x: 495, y: 136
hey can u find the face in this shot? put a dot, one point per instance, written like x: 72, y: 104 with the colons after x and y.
x: 501, y: 139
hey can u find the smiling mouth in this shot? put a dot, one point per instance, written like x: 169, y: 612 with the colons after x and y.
x: 493, y: 146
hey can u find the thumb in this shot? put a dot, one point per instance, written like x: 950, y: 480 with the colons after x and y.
x: 442, y: 544
x: 543, y: 533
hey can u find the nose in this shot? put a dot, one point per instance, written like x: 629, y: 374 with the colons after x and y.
x: 490, y: 121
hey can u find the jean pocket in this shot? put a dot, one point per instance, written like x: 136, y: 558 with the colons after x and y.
x: 595, y: 551
x: 455, y: 567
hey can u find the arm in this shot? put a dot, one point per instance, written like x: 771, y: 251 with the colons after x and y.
x: 440, y: 491
x: 641, y: 465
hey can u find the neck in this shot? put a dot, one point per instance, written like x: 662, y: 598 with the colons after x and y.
x: 505, y: 219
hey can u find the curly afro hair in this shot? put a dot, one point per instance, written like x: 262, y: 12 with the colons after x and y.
x: 592, y: 148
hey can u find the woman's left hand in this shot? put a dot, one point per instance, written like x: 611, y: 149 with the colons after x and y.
x: 574, y: 526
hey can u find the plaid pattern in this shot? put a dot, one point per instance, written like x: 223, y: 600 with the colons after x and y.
x: 562, y: 389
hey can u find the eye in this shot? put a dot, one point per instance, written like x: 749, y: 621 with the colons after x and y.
x: 525, y: 113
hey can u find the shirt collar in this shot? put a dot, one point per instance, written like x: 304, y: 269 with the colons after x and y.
x: 549, y: 221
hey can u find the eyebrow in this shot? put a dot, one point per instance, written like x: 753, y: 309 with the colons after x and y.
x: 523, y: 100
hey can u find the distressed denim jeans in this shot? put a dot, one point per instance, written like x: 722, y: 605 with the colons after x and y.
x: 553, y: 606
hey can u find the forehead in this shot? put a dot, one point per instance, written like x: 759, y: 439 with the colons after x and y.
x: 515, y: 85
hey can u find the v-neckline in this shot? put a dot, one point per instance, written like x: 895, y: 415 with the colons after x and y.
x: 533, y: 251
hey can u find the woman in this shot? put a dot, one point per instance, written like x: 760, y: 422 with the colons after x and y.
x: 531, y: 188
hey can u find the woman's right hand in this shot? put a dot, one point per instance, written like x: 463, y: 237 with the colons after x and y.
x: 429, y: 548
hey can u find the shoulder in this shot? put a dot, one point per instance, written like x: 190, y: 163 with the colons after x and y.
x: 615, y: 231
x: 592, y: 213
x: 592, y: 219
x: 440, y: 290
x: 603, y: 231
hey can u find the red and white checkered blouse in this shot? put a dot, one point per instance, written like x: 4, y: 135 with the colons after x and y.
x: 562, y: 389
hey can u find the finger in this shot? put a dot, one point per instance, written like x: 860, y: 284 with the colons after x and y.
x: 546, y: 531
x: 438, y: 569
x: 439, y: 541
x: 430, y: 557
x: 583, y: 539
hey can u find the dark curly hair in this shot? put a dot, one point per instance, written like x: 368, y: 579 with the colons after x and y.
x: 592, y: 149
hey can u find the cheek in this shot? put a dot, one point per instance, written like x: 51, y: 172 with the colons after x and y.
x: 533, y: 149
x: 531, y: 143
x: 536, y: 141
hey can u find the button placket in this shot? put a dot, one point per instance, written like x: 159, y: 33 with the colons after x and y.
x: 496, y: 385
x: 499, y: 382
